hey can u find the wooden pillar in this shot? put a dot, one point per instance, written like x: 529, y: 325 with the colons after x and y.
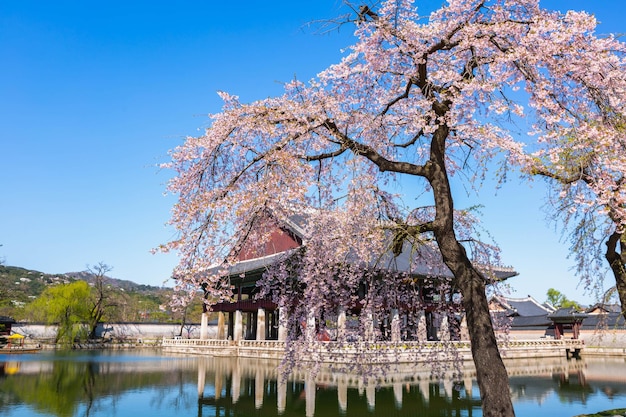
x: 310, y: 333
x: 341, y: 324
x: 421, y: 327
x: 558, y: 331
x: 260, y: 324
x: 221, y: 331
x: 368, y: 325
x: 395, y: 325
x: 444, y: 329
x: 282, y: 324
x: 238, y: 330
x: 204, y: 326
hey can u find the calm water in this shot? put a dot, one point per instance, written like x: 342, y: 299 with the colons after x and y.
x: 146, y: 383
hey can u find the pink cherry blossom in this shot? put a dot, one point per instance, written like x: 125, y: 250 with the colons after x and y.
x: 414, y: 104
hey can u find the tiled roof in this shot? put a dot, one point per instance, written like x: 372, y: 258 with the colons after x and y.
x: 531, y: 321
x: 297, y: 224
x: 256, y: 264
x: 604, y: 321
x: 567, y: 312
x: 424, y: 260
x: 525, y: 307
x: 609, y: 308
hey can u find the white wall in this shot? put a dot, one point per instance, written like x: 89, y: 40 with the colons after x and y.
x: 121, y: 330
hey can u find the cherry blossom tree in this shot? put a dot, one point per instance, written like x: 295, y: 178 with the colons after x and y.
x: 414, y: 105
x: 583, y: 158
x: 588, y: 197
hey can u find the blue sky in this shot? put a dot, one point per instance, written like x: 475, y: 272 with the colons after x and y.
x: 94, y: 94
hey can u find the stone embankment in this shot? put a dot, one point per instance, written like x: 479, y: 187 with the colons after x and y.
x: 605, y: 343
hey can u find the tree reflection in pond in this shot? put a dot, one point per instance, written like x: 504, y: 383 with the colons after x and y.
x: 132, y: 384
x: 70, y: 384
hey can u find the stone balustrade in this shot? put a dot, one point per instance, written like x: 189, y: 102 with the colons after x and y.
x: 379, y: 352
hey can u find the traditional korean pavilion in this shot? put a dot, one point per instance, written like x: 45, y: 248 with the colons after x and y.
x: 565, y: 319
x: 250, y: 318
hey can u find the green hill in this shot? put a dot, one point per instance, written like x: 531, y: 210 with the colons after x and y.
x: 137, y: 302
x: 19, y: 286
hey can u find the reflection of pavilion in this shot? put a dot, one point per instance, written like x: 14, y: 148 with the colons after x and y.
x: 255, y: 387
x: 238, y: 386
x: 433, y: 313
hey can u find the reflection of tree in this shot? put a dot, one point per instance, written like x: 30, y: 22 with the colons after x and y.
x: 88, y: 384
x: 175, y: 395
x: 57, y: 392
x: 72, y: 384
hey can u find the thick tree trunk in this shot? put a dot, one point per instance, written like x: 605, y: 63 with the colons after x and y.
x: 92, y: 331
x: 491, y: 375
x: 616, y: 261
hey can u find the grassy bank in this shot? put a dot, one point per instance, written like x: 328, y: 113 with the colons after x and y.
x: 607, y: 413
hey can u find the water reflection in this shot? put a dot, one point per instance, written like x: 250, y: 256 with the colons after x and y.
x: 254, y: 387
x: 72, y: 384
x: 131, y: 383
x: 239, y: 386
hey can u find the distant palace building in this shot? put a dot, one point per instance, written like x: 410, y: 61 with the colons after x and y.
x: 529, y: 319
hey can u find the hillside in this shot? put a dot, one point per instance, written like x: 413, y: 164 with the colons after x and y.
x: 20, y: 286
x: 118, y: 283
